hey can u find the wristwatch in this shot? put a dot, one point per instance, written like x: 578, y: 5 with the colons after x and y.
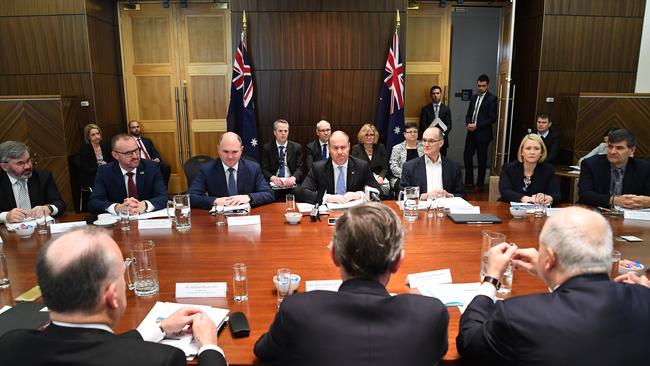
x: 493, y: 281
x: 51, y: 208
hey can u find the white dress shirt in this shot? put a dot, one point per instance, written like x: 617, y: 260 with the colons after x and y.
x: 345, y: 178
x: 148, y: 207
x: 13, y: 180
x: 434, y: 173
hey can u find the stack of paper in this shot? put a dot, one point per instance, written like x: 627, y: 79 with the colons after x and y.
x: 184, y: 339
x: 343, y: 206
x: 452, y: 294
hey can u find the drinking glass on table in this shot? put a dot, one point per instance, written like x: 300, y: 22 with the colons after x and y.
x: 283, y: 284
x: 239, y: 282
x: 219, y: 213
x: 125, y: 217
x: 291, y: 203
x: 616, y: 259
x: 41, y: 220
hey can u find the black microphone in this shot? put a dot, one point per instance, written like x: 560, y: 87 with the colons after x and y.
x: 315, y: 213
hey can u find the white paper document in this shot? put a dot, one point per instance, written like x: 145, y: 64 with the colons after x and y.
x: 154, y: 224
x: 66, y: 226
x: 149, y: 215
x: 245, y: 207
x: 201, y: 289
x: 326, y: 285
x: 465, y: 210
x: 453, y: 294
x: 448, y: 202
x: 421, y: 279
x: 343, y: 206
x: 183, y: 339
x: 307, y: 207
x: 636, y: 214
x: 244, y: 220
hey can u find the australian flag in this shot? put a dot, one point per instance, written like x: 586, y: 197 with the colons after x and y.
x: 390, y: 115
x: 241, y: 114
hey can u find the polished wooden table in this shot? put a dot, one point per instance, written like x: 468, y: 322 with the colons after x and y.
x: 206, y: 254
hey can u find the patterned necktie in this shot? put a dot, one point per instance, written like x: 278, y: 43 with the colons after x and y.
x: 323, y: 154
x: 22, y: 201
x: 281, y: 169
x: 476, y: 108
x: 340, y: 182
x: 232, y: 185
x: 144, y: 151
x: 616, y: 188
x: 435, y: 108
x: 132, y: 190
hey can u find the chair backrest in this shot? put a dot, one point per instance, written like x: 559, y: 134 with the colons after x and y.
x: 192, y: 166
x: 494, y: 189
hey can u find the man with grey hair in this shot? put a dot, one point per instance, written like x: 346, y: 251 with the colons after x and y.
x: 23, y: 188
x: 81, y: 276
x: 586, y: 319
x: 318, y: 150
x: 361, y: 323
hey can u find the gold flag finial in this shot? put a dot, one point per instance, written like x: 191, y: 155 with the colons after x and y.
x: 244, y: 21
x: 397, y: 20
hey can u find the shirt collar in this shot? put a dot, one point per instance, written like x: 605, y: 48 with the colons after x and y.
x: 12, y: 179
x: 125, y: 171
x: 428, y: 160
x: 544, y: 134
x: 279, y: 144
x: 336, y: 166
x: 226, y: 167
x: 87, y: 326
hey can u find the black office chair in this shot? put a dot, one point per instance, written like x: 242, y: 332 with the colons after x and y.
x: 192, y: 166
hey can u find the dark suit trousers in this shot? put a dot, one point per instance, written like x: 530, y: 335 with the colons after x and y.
x: 481, y: 148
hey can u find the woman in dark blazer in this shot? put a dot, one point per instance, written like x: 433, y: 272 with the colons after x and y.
x: 529, y: 179
x: 92, y: 154
x: 370, y: 150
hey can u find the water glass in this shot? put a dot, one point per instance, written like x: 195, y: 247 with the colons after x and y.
x: 219, y: 213
x: 125, y: 218
x: 441, y: 210
x: 539, y: 210
x: 239, y: 282
x: 410, y: 198
x: 179, y: 211
x: 431, y: 207
x: 489, y: 239
x: 506, y: 281
x: 41, y: 221
x: 616, y: 258
x: 291, y: 203
x: 142, y: 269
x: 4, y: 273
x: 283, y: 284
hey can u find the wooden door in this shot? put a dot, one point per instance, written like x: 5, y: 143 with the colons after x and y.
x: 176, y: 64
x: 428, y: 46
x: 505, y: 89
x: 205, y: 46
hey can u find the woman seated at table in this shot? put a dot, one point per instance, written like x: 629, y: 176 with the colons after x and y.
x: 411, y: 148
x: 370, y: 150
x: 92, y: 154
x: 529, y: 179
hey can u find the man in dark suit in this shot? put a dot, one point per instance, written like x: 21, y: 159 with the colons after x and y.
x: 361, y: 323
x: 148, y: 151
x: 129, y: 181
x: 586, y: 320
x: 615, y: 179
x: 438, y: 115
x: 436, y: 175
x: 81, y: 276
x: 481, y: 114
x: 339, y: 179
x: 230, y: 180
x: 317, y: 150
x: 550, y: 137
x: 282, y: 159
x: 24, y: 189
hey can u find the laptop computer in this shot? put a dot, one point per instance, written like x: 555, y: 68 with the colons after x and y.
x: 485, y: 218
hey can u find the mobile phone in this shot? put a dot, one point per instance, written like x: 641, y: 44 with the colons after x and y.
x: 332, y: 220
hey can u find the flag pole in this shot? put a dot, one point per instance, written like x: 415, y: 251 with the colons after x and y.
x: 243, y: 27
x: 397, y: 21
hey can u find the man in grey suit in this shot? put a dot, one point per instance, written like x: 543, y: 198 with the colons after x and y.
x: 361, y: 323
x: 586, y: 319
x: 81, y: 276
x: 338, y: 179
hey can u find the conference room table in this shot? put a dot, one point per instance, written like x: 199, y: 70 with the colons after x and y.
x: 207, y: 252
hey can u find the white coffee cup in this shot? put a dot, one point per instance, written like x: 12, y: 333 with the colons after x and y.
x: 105, y: 217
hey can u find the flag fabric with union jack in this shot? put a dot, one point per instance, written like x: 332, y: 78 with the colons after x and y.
x: 241, y: 113
x: 390, y: 114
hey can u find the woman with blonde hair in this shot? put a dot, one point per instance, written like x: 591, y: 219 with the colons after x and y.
x: 529, y: 179
x: 92, y: 154
x: 371, y: 150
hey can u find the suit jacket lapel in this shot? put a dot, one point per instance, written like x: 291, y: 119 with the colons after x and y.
x: 140, y: 180
x: 329, y: 177
x: 7, y: 189
x: 422, y: 167
x: 352, y: 175
x: 628, y: 177
x: 221, y: 181
x: 275, y: 154
x: 241, y: 173
x: 119, y: 180
x: 32, y: 187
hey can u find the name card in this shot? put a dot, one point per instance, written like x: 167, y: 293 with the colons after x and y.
x: 465, y: 210
x: 637, y: 215
x: 416, y: 280
x: 552, y: 211
x: 154, y: 224
x: 201, y: 289
x: 244, y: 220
x: 66, y: 226
x: 326, y: 285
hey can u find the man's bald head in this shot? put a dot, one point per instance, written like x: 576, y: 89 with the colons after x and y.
x: 581, y: 240
x: 230, y: 148
x: 73, y: 269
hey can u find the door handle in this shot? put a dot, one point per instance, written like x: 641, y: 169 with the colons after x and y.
x: 178, y: 127
x: 187, y: 121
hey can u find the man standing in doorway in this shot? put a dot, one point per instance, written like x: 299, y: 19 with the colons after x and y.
x: 148, y: 150
x: 481, y: 114
x: 438, y: 115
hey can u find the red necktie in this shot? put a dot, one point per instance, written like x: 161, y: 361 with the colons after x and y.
x: 141, y: 146
x: 133, y: 191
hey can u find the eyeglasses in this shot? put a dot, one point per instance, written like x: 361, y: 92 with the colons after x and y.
x: 411, y: 131
x: 370, y: 135
x: 325, y: 130
x: 127, y: 153
x: 430, y: 141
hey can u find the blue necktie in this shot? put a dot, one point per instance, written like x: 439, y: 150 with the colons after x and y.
x: 232, y: 185
x: 281, y: 169
x: 340, y: 182
x: 323, y: 154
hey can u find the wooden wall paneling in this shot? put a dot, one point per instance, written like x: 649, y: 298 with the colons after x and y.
x: 108, y: 103
x: 103, y: 10
x: 42, y: 45
x: 505, y: 43
x: 624, y: 8
x: 207, y: 142
x: 318, y: 5
x: 569, y: 111
x: 61, y: 173
x: 104, y: 56
x: 73, y: 125
x: 15, y: 8
x: 44, y: 122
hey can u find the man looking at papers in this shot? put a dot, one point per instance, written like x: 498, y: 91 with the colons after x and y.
x: 586, y: 319
x: 81, y: 275
x: 361, y: 323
